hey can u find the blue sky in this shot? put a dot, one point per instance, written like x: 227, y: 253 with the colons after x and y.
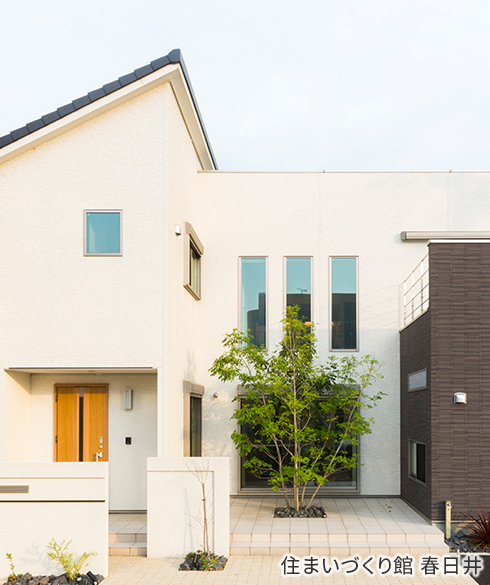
x: 282, y: 85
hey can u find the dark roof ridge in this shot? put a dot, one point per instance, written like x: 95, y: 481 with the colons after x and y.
x: 174, y: 57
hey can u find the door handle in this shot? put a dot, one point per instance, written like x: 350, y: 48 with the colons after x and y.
x: 98, y: 456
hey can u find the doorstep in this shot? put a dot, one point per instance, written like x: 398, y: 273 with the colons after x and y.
x: 127, y: 535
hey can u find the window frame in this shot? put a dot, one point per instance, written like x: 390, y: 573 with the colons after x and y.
x: 85, y: 241
x: 239, y: 319
x: 410, y: 460
x: 417, y: 388
x: 265, y: 490
x: 330, y: 304
x: 285, y: 282
x: 191, y: 390
x: 192, y: 243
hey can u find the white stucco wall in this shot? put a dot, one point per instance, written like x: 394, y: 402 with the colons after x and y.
x: 61, y: 309
x: 322, y: 215
x: 15, y: 392
x: 127, y: 463
x: 58, y: 306
x: 183, y: 312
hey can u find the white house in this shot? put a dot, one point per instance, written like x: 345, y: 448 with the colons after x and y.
x: 126, y: 255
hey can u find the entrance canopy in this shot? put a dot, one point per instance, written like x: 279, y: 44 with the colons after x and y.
x: 86, y: 370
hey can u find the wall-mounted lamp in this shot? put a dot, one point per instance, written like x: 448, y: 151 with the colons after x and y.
x: 459, y: 398
x: 178, y: 231
x: 216, y: 395
x: 128, y: 399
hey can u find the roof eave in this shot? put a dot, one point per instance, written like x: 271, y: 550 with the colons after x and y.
x: 173, y: 72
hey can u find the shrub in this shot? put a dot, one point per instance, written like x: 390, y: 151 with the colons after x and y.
x: 479, y: 528
x: 59, y: 552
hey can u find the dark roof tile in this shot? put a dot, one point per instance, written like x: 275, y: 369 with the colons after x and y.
x: 32, y: 126
x: 51, y: 117
x: 175, y: 56
x: 142, y: 71
x: 112, y: 86
x: 4, y: 140
x: 159, y: 63
x: 80, y: 102
x: 19, y: 133
x: 64, y: 110
x: 126, y: 79
x: 96, y: 94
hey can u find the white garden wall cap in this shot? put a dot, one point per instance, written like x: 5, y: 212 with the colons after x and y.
x: 68, y: 470
x: 173, y: 58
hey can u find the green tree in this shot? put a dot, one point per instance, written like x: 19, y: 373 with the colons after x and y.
x: 298, y: 419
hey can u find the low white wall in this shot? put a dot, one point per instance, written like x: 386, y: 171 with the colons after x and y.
x: 65, y: 501
x: 175, y: 505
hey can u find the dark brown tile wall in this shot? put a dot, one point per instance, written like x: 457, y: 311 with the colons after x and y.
x: 415, y: 409
x: 460, y: 349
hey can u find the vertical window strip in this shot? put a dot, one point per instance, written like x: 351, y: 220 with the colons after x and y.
x: 344, y: 327
x: 298, y: 285
x: 253, y: 300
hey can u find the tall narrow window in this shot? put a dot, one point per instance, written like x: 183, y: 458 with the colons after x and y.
x: 298, y: 285
x: 344, y: 303
x: 193, y: 394
x: 253, y: 299
x: 196, y: 426
x: 103, y: 233
x: 192, y: 262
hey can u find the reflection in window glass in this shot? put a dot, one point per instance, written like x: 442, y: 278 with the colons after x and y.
x: 344, y: 478
x: 344, y: 303
x: 417, y: 460
x: 298, y: 285
x: 195, y: 280
x: 103, y: 232
x: 196, y: 427
x: 253, y: 299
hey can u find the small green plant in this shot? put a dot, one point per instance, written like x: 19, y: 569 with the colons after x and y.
x: 13, y: 575
x: 205, y: 561
x: 479, y: 531
x: 59, y: 552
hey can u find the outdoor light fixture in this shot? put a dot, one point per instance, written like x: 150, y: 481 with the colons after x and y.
x: 178, y: 231
x: 459, y: 398
x: 128, y: 399
x: 216, y: 395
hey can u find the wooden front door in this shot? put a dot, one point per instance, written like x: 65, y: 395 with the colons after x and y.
x: 80, y: 422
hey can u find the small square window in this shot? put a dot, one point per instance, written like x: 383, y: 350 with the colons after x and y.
x: 192, y: 263
x: 103, y: 233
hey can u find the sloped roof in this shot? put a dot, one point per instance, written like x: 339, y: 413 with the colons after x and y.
x: 174, y: 57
